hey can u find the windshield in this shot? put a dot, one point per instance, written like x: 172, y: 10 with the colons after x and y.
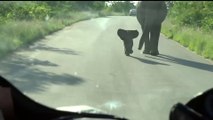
x: 101, y: 55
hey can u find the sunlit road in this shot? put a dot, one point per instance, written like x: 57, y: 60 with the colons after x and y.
x: 84, y: 64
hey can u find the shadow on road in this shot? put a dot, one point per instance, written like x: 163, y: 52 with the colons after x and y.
x: 148, y: 61
x: 53, y: 49
x: 184, y: 62
x: 20, y: 71
x: 21, y: 60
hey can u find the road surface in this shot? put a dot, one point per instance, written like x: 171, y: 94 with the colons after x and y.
x: 85, y: 64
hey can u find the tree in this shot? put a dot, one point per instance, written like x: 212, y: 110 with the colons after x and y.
x: 118, y: 6
x: 197, y: 14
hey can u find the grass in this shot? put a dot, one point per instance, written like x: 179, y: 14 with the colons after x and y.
x: 16, y: 34
x: 196, y: 40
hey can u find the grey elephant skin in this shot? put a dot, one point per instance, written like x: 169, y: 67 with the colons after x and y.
x: 150, y: 15
x: 127, y: 37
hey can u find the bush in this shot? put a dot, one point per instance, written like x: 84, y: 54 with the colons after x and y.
x: 196, y: 14
x: 18, y: 10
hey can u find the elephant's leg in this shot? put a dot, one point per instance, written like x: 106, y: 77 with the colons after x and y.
x: 142, y: 40
x: 146, y: 38
x: 154, y: 39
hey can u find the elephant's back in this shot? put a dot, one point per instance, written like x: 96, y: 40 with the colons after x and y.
x: 151, y: 11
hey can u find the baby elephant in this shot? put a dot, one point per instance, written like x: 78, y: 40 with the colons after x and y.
x: 127, y: 37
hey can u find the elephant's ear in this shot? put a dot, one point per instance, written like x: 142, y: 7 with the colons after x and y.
x: 122, y: 34
x: 127, y: 35
x: 133, y: 34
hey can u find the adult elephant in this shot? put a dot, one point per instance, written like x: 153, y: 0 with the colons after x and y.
x: 150, y: 15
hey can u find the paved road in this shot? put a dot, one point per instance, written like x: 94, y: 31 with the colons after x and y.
x: 84, y: 64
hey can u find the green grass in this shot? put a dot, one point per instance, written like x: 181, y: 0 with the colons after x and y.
x: 16, y: 34
x: 195, y: 39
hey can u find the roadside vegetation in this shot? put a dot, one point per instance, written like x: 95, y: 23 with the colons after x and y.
x: 191, y: 24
